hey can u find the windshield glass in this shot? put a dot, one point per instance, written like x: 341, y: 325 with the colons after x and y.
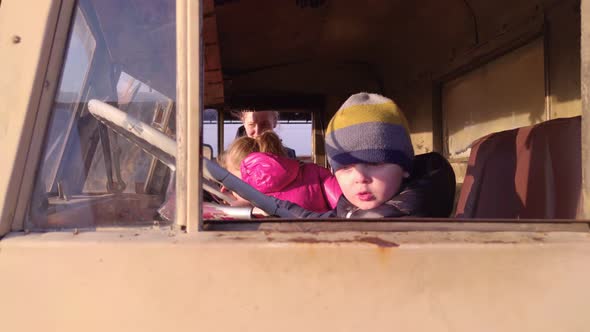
x: 122, y: 53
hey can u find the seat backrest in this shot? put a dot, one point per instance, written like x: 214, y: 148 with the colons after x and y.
x: 530, y: 172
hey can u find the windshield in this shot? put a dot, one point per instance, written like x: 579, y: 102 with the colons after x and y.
x: 122, y: 53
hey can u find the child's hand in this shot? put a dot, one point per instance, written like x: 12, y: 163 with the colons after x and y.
x: 239, y: 202
x: 259, y: 213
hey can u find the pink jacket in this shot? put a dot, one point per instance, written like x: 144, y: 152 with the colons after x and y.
x: 311, y: 186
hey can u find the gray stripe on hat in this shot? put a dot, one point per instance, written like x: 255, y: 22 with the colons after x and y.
x: 369, y: 135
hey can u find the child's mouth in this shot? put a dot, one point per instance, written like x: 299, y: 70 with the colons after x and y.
x: 365, y: 196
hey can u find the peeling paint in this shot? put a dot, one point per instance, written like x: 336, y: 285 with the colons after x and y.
x: 378, y: 241
x: 365, y: 239
x: 499, y: 242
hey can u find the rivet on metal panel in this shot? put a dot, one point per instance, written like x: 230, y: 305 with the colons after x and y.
x: 16, y: 39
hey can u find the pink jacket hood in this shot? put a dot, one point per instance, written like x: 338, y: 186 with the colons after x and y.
x: 311, y: 186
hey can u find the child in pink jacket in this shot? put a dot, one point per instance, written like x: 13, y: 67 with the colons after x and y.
x: 270, y: 171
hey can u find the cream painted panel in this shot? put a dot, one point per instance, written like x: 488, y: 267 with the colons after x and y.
x: 504, y: 94
x: 25, y: 43
x: 146, y: 281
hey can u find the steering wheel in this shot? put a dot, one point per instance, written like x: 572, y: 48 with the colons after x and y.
x: 163, y: 148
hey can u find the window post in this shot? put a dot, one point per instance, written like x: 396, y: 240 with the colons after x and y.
x: 585, y: 93
x: 189, y: 96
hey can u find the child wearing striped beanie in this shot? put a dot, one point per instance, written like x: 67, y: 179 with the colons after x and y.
x: 370, y: 151
x: 369, y: 148
x: 369, y: 128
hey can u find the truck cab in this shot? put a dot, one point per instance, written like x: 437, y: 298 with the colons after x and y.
x: 499, y: 88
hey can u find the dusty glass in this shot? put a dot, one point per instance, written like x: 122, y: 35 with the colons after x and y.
x: 120, y: 54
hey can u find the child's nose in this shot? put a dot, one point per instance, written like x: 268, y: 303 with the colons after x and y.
x: 360, y: 174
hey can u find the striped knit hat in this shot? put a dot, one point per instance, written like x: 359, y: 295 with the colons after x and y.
x: 369, y: 128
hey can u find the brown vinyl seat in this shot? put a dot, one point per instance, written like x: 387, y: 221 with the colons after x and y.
x: 525, y: 173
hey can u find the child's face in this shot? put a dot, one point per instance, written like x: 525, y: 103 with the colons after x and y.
x: 367, y: 186
x: 239, y: 200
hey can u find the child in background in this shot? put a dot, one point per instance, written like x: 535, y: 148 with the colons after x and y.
x: 262, y: 162
x: 369, y: 148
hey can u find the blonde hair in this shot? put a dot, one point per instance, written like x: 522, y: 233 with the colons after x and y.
x: 268, y: 142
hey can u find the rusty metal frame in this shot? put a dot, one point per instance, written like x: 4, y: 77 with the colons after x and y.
x: 403, y: 225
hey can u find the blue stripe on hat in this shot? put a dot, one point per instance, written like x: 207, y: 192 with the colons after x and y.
x: 397, y: 157
x: 370, y: 142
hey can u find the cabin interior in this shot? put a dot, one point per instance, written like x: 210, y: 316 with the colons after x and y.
x: 459, y: 69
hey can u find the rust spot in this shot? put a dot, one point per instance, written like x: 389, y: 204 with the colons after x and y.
x: 270, y: 239
x: 366, y: 239
x: 378, y: 241
x: 499, y: 242
x: 309, y: 240
x: 538, y: 239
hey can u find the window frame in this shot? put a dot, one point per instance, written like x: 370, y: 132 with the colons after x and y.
x: 189, y: 99
x: 54, y: 20
x: 191, y: 214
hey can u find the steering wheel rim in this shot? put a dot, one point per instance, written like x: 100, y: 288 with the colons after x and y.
x: 163, y: 148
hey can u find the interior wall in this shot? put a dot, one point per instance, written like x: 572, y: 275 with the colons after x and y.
x: 562, y: 32
x: 506, y: 93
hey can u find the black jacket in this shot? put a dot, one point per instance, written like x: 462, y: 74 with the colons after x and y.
x: 428, y: 192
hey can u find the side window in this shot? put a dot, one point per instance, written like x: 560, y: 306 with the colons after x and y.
x: 123, y: 55
x: 77, y: 62
x: 294, y: 129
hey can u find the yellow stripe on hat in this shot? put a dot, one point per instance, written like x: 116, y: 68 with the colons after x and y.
x: 387, y: 112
